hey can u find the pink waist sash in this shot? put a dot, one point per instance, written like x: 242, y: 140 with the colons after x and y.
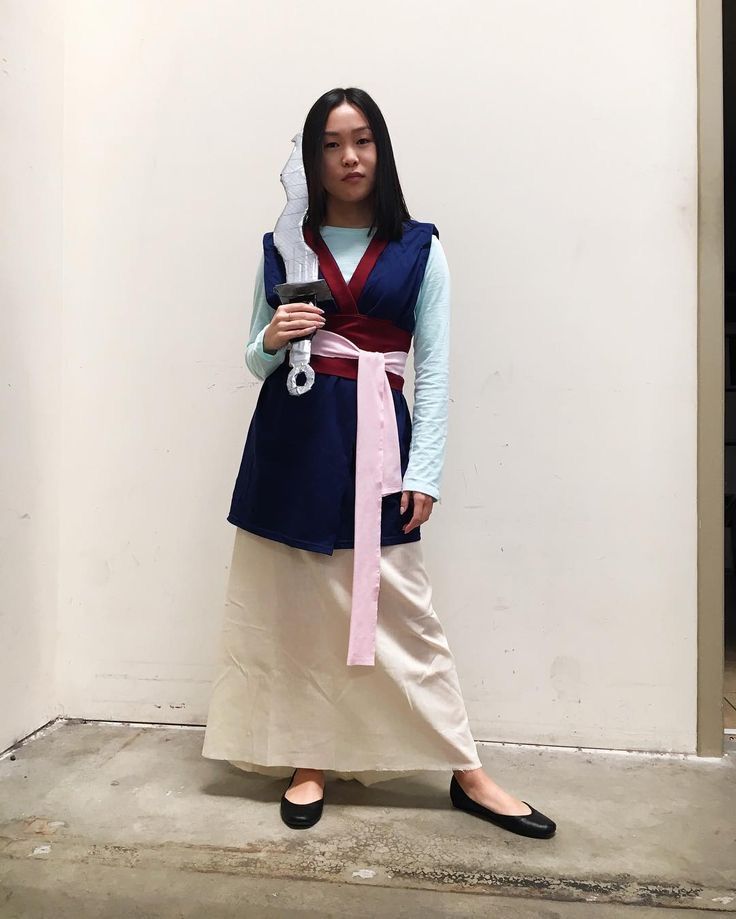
x: 377, y: 473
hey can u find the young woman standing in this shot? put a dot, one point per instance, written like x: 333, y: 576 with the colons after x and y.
x: 286, y: 702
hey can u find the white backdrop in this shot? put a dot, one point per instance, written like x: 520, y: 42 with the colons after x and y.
x: 554, y: 145
x: 31, y: 125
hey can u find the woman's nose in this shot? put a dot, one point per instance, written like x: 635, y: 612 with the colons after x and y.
x: 349, y: 157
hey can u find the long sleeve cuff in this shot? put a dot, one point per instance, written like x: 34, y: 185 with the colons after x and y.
x: 426, y: 488
x: 261, y: 351
x: 261, y: 362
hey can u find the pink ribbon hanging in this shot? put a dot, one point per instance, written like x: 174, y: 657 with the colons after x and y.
x: 377, y: 473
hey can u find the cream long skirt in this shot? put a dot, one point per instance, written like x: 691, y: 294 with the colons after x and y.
x: 284, y: 696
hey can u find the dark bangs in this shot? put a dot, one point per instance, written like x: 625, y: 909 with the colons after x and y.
x: 390, y: 209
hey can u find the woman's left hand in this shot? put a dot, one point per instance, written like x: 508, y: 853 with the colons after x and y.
x: 423, y: 505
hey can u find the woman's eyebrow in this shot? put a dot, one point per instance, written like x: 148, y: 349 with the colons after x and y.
x: 364, y: 127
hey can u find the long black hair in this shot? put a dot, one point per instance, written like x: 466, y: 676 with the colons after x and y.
x: 390, y: 209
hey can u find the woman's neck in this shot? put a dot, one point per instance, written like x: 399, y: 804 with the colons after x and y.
x: 356, y: 214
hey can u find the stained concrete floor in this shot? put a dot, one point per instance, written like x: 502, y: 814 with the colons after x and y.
x: 107, y: 820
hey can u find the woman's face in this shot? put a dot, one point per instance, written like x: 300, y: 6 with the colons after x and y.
x: 348, y: 146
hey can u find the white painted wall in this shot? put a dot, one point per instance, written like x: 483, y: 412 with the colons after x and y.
x: 554, y: 145
x: 31, y: 108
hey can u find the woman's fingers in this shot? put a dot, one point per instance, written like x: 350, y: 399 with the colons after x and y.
x: 304, y: 329
x: 422, y: 509
x: 293, y: 320
x: 298, y: 322
x: 302, y: 311
x: 303, y: 317
x: 299, y: 319
x: 304, y: 323
x: 415, y: 521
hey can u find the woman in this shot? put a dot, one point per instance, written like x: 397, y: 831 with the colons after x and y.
x: 285, y: 701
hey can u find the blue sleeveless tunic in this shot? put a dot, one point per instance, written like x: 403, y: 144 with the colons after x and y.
x: 296, y: 482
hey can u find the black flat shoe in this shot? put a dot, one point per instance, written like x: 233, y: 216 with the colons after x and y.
x: 300, y: 816
x: 534, y: 824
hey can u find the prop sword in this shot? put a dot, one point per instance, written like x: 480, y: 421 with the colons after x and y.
x: 303, y: 284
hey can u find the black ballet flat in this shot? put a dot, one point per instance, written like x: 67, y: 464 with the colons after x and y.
x: 535, y: 824
x: 300, y: 816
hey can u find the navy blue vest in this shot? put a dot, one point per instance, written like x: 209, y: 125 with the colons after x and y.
x: 296, y: 482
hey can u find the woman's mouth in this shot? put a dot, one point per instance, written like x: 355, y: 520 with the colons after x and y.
x: 353, y: 177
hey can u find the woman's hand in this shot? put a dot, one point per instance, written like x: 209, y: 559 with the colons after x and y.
x: 423, y: 505
x: 291, y: 320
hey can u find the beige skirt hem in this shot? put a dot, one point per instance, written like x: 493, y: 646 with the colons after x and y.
x: 364, y: 776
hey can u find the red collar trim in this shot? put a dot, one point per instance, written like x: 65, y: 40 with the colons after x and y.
x: 346, y: 296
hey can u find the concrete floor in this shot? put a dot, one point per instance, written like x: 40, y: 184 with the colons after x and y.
x: 107, y: 820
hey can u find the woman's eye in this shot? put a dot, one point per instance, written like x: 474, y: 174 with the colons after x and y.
x: 362, y: 140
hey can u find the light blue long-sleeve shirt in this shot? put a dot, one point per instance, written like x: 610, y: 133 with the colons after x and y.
x: 431, y: 343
